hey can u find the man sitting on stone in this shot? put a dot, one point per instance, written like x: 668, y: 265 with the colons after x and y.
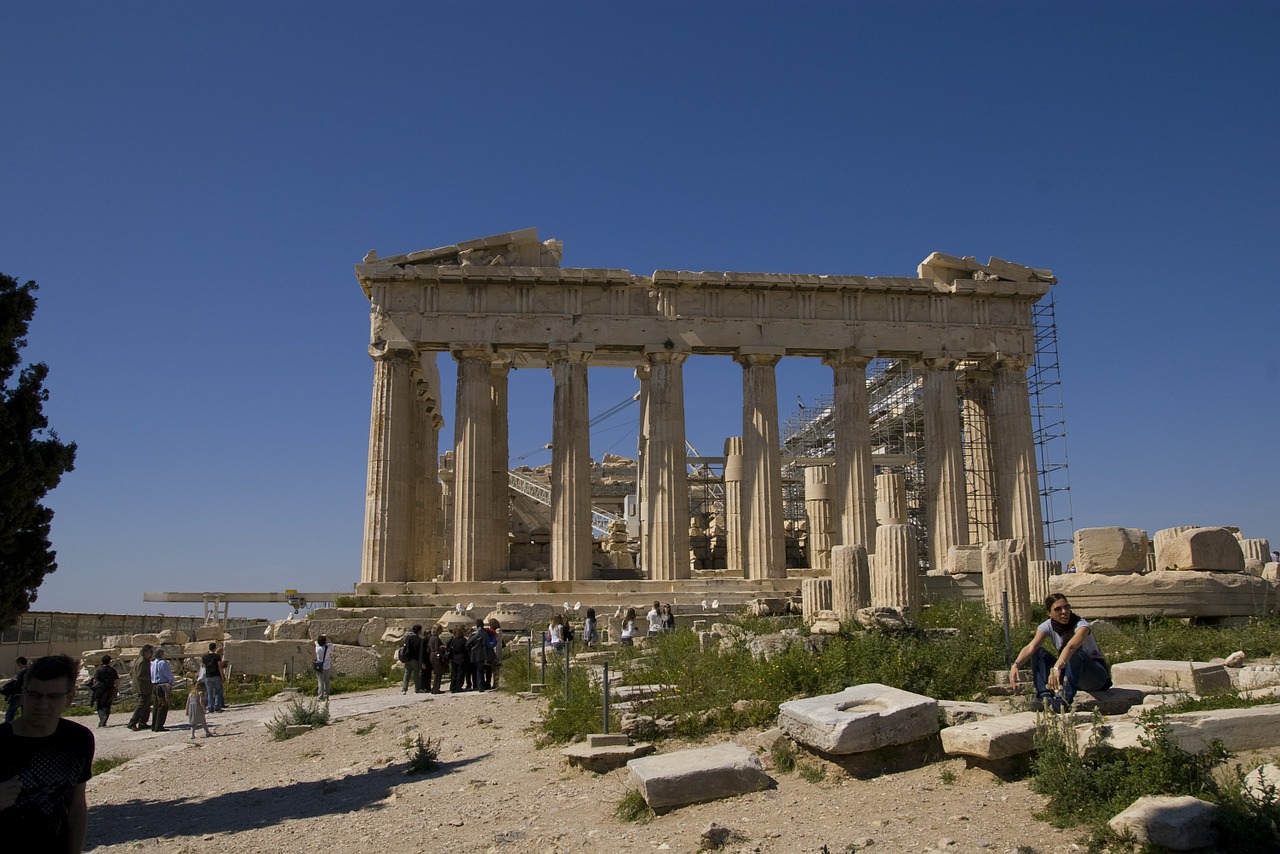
x: 45, y: 762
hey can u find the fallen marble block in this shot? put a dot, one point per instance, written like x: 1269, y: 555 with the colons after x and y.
x: 1176, y: 823
x: 859, y: 719
x: 1194, y: 676
x: 694, y: 776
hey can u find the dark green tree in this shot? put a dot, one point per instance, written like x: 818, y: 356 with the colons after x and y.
x: 32, y: 459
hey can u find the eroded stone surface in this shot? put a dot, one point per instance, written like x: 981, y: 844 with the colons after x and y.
x: 1170, y: 593
x: 995, y: 738
x: 694, y: 776
x: 1111, y: 549
x: 858, y: 719
x: 1177, y: 823
x: 1200, y: 549
x: 1198, y: 677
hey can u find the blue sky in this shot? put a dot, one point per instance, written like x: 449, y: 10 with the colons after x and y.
x: 190, y: 184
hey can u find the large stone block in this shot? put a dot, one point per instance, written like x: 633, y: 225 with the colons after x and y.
x: 1171, y: 594
x: 992, y: 738
x: 964, y: 560
x: 859, y: 719
x: 1004, y: 571
x: 1193, y: 676
x: 1257, y: 552
x: 355, y: 660
x: 1180, y: 823
x: 1111, y: 550
x: 291, y: 630
x: 266, y: 657
x: 344, y: 631
x: 698, y: 775
x: 1200, y: 549
x: 1254, y: 728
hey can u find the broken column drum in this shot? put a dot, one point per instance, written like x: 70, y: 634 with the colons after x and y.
x: 895, y: 574
x: 505, y: 302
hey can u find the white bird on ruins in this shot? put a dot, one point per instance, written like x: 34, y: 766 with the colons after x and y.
x: 577, y: 605
x: 566, y: 606
x: 470, y: 605
x: 458, y: 607
x: 715, y: 604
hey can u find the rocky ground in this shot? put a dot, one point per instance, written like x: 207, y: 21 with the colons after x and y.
x: 343, y: 788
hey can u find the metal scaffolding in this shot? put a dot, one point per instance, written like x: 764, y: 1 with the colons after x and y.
x: 1048, y: 417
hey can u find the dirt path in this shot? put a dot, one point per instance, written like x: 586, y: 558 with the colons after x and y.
x: 342, y: 788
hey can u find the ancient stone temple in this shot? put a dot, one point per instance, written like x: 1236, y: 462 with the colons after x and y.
x: 505, y: 302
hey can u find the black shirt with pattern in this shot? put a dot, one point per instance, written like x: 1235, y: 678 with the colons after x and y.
x: 50, y: 768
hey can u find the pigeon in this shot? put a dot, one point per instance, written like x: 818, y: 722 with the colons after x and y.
x: 470, y: 605
x: 715, y: 604
x: 704, y: 604
x: 566, y: 606
x: 458, y: 607
x: 577, y: 605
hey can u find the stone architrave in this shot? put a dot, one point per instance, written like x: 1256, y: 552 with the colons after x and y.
x: 859, y: 719
x: 1169, y: 822
x: 850, y: 581
x: 891, y: 498
x: 499, y: 370
x: 1111, y: 549
x: 389, y: 496
x: 1169, y: 593
x: 853, y: 474
x: 1040, y: 574
x: 979, y: 466
x: 1004, y: 571
x: 1017, y: 477
x: 473, y: 471
x: 694, y: 776
x: 817, y: 506
x: 1200, y: 549
x: 815, y: 596
x: 762, y: 466
x: 735, y: 550
x: 895, y: 572
x: 570, y: 465
x: 666, y: 488
x: 945, y: 509
x: 1257, y: 553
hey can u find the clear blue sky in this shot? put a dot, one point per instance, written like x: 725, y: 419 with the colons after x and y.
x: 190, y: 184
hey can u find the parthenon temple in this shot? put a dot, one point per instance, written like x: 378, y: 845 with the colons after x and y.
x: 505, y: 302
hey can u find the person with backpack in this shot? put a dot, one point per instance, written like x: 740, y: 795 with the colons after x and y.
x: 458, y: 660
x: 437, y: 657
x: 103, y: 689
x: 492, y: 653
x: 475, y: 652
x: 410, y: 656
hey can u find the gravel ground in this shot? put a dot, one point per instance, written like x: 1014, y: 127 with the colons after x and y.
x: 344, y: 788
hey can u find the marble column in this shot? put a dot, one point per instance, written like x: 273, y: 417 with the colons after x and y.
x: 570, y: 465
x: 643, y: 476
x: 667, y: 471
x: 895, y: 572
x: 891, y: 498
x: 761, y: 467
x: 388, y: 510
x: 1004, y: 572
x: 735, y: 551
x: 850, y: 581
x: 815, y: 596
x: 1017, y: 477
x: 1040, y: 575
x: 499, y: 464
x: 426, y: 500
x: 446, y: 515
x: 980, y: 472
x: 817, y: 508
x: 854, y: 488
x: 945, y: 513
x: 473, y: 469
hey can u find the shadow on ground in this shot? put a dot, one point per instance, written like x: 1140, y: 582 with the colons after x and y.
x: 132, y: 821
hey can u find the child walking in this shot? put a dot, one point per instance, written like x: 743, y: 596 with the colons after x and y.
x: 196, y: 709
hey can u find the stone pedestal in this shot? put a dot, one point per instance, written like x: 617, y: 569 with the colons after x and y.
x: 947, y: 518
x: 666, y: 490
x: 895, y: 572
x: 1017, y: 478
x: 735, y: 550
x: 1004, y: 571
x: 570, y: 466
x: 761, y: 466
x: 817, y: 506
x: 389, y: 495
x: 891, y: 498
x: 815, y: 596
x: 852, y: 478
x: 850, y: 581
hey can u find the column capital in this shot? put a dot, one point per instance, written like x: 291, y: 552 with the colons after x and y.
x: 935, y: 362
x: 471, y: 350
x: 563, y: 352
x: 753, y: 356
x: 1008, y: 364
x: 850, y: 357
x: 660, y: 355
x: 384, y: 353
x: 979, y: 376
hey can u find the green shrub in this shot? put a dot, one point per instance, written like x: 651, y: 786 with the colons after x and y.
x: 298, y: 713
x: 424, y: 755
x: 633, y: 807
x: 783, y: 753
x: 812, y: 773
x: 103, y: 764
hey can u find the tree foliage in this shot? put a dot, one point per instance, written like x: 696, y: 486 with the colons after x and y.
x: 32, y: 458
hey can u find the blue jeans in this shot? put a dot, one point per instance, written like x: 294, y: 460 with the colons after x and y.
x: 1082, y: 673
x: 213, y: 690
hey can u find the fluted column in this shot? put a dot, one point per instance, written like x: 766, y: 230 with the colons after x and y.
x: 735, y: 557
x: 473, y: 468
x: 854, y: 488
x: 389, y: 495
x: 667, y: 486
x: 1017, y: 477
x: 895, y: 572
x: 446, y: 514
x: 570, y: 465
x: 643, y: 476
x: 945, y: 514
x: 426, y: 486
x: 891, y: 498
x: 980, y: 474
x: 850, y: 580
x: 762, y: 466
x: 817, y: 508
x: 1004, y: 573
x: 499, y: 456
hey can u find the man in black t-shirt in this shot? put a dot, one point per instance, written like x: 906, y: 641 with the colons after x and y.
x: 212, y: 662
x: 45, y: 761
